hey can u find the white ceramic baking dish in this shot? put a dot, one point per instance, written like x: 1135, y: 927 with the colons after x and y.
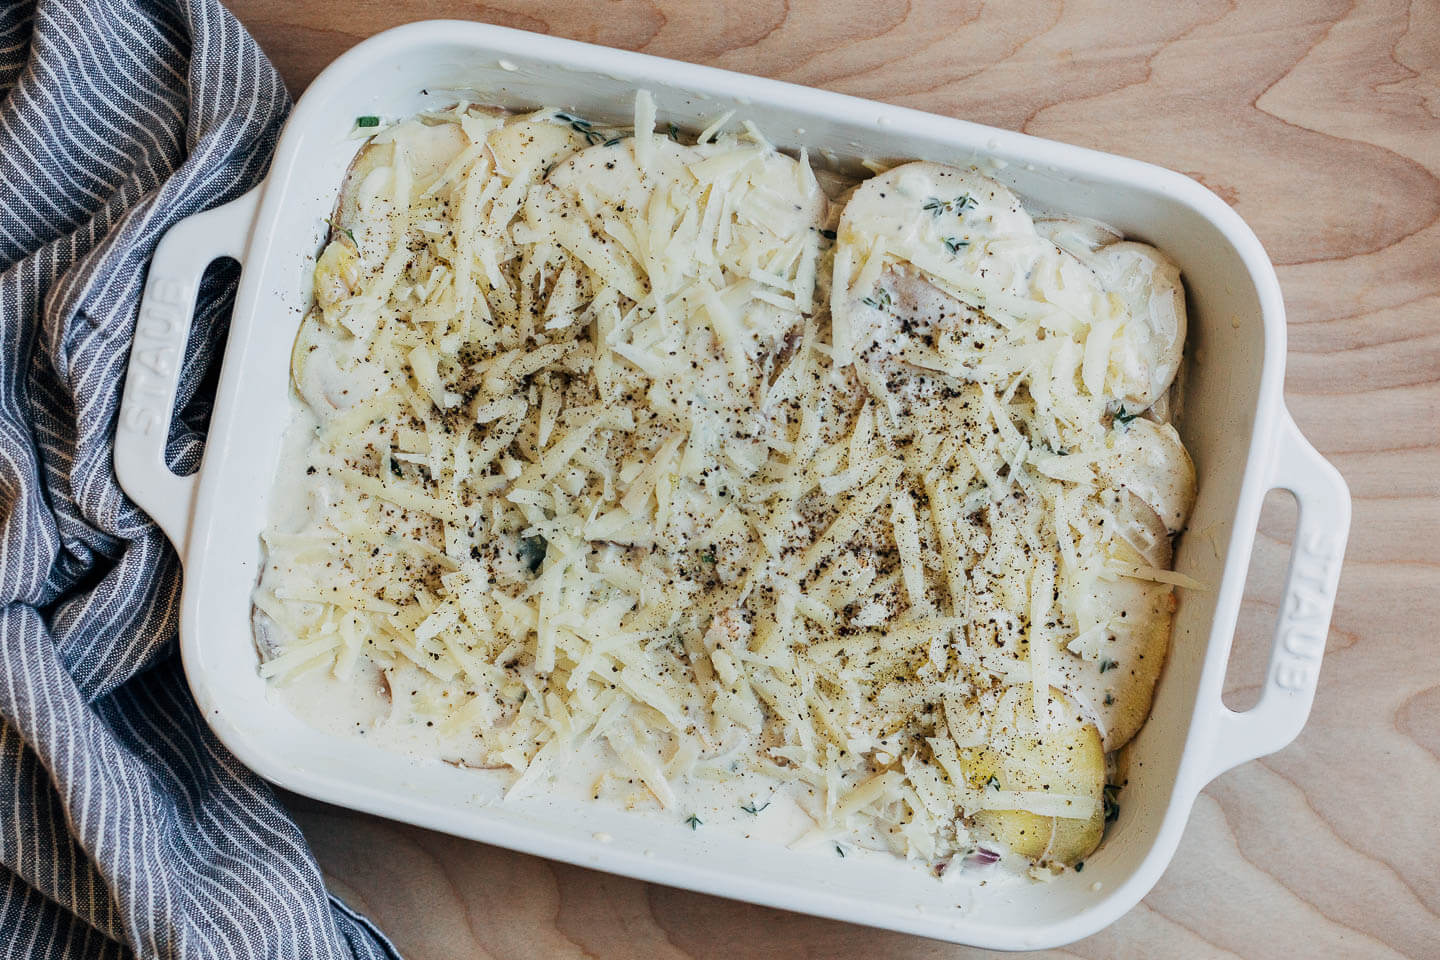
x: 1234, y: 421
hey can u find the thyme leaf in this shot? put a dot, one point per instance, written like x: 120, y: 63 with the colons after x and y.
x: 955, y: 244
x: 881, y: 300
x: 1107, y: 664
x: 345, y: 230
x: 693, y: 821
x: 935, y: 206
x: 1123, y: 418
x: 1112, y: 804
x: 367, y: 121
x: 753, y: 810
x: 532, y: 553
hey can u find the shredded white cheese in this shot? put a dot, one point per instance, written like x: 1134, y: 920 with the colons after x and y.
x: 600, y: 466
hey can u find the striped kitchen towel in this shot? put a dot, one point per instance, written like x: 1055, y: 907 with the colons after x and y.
x: 125, y: 828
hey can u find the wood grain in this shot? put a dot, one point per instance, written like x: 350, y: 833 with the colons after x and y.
x: 1320, y: 123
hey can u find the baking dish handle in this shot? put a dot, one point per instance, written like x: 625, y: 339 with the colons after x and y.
x: 167, y: 308
x: 1303, y: 621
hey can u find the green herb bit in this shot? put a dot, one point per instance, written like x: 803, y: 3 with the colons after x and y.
x: 707, y: 557
x: 673, y: 132
x: 1112, y: 803
x: 1123, y: 418
x: 367, y: 121
x: 532, y: 553
x: 1080, y: 866
x: 955, y: 244
x: 693, y: 821
x: 881, y: 300
x: 993, y: 783
x: 1109, y: 699
x: 1107, y: 664
x: 345, y: 230
x: 957, y: 206
x: 840, y: 850
x: 753, y: 810
x: 611, y: 142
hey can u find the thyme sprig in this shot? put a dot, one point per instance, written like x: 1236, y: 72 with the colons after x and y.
x: 957, y: 206
x: 345, y: 230
x: 582, y: 126
x: 881, y: 300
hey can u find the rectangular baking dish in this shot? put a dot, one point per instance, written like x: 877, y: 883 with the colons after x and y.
x: 1235, y: 424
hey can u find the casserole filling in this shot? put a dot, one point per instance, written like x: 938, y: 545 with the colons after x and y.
x: 651, y: 467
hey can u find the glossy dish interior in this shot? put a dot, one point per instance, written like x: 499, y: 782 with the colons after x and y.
x: 1230, y: 405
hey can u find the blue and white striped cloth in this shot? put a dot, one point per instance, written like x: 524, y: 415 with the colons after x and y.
x: 125, y: 828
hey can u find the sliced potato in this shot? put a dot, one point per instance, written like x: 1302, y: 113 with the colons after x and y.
x: 1116, y: 682
x: 1077, y: 235
x: 366, y: 212
x: 1067, y: 759
x: 938, y: 219
x: 1149, y: 460
x: 337, y: 274
x: 329, y: 367
x: 532, y: 145
x: 1146, y: 357
x: 1141, y: 527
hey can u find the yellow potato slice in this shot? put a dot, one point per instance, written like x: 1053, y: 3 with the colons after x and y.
x: 1066, y: 759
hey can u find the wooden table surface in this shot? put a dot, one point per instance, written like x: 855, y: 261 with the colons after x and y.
x: 1320, y: 123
